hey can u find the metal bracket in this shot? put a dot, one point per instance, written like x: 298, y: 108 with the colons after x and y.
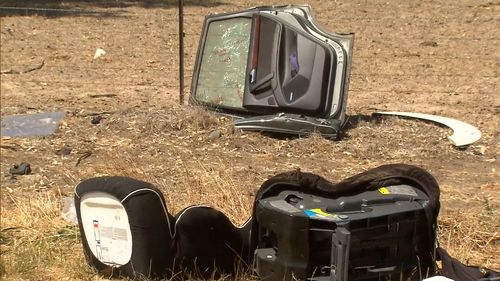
x: 341, y: 246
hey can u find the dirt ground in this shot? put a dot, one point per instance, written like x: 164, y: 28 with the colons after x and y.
x: 438, y: 57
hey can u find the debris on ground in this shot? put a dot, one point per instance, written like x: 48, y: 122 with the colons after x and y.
x: 68, y: 212
x: 21, y: 169
x: 463, y: 133
x: 479, y: 150
x: 84, y: 155
x: 99, y: 53
x: 429, y: 44
x: 31, y: 125
x: 29, y: 69
x: 96, y: 119
x: 215, y: 134
x: 102, y: 95
x: 296, y: 96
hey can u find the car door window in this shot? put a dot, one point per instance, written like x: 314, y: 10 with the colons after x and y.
x: 222, y: 74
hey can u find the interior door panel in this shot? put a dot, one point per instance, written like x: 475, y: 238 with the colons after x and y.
x: 268, y: 61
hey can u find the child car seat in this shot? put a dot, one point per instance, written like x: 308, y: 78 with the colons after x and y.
x: 127, y: 231
x: 379, y: 224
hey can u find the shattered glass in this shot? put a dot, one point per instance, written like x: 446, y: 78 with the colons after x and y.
x: 224, y: 56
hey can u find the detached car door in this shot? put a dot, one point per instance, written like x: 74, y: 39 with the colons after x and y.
x: 275, y: 67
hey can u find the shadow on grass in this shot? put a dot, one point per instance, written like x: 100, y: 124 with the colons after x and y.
x: 90, y: 8
x: 354, y: 120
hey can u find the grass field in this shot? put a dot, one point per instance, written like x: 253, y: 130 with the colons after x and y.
x: 438, y: 57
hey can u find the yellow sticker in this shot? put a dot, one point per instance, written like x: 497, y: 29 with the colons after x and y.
x: 384, y: 190
x: 320, y: 212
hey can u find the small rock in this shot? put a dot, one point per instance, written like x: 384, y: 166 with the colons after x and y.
x: 215, y: 134
x: 99, y: 53
x: 96, y: 120
x: 429, y: 44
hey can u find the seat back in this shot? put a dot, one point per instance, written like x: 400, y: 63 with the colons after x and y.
x: 127, y: 231
x: 125, y: 227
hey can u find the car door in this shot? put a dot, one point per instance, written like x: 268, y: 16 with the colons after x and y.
x: 271, y: 62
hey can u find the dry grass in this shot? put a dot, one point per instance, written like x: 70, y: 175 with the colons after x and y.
x: 37, y: 244
x: 472, y: 236
x: 144, y: 134
x: 177, y: 156
x: 190, y: 168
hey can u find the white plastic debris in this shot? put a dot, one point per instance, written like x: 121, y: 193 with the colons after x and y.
x: 463, y: 133
x: 30, y: 125
x: 99, y: 53
x: 68, y: 212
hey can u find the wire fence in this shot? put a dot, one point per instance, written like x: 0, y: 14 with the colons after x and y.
x: 168, y: 63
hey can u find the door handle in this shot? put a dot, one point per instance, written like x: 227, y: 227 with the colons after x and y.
x: 262, y: 84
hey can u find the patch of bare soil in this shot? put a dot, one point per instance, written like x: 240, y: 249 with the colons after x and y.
x: 439, y: 57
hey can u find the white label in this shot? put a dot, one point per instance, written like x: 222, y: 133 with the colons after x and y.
x: 106, y: 227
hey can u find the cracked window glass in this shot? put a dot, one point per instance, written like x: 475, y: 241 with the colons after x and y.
x: 221, y: 79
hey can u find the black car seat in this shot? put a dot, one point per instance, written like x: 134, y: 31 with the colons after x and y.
x: 127, y: 231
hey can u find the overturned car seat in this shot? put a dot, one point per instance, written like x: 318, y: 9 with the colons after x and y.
x: 377, y: 225
x: 127, y: 231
